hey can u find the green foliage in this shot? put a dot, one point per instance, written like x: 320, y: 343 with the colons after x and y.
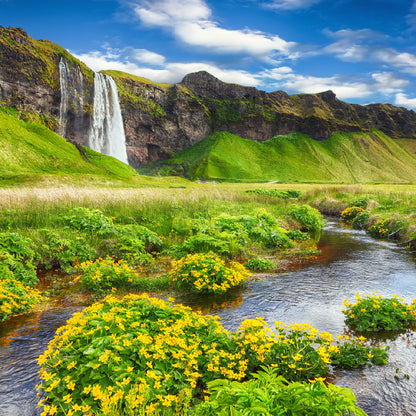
x: 297, y: 235
x: 89, y: 220
x: 375, y: 313
x: 207, y: 273
x: 355, y: 354
x: 351, y: 212
x: 360, y: 222
x: 259, y: 264
x: 268, y: 394
x: 286, y: 194
x: 104, y: 275
x: 147, y: 355
x: 380, y: 229
x: 14, y: 296
x: 151, y: 241
x: 360, y: 201
x: 309, y: 219
x: 55, y: 250
x: 16, y: 253
x: 219, y: 242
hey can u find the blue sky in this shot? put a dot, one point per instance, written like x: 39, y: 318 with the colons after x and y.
x: 365, y: 51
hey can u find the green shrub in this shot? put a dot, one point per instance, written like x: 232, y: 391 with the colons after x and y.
x: 57, y: 251
x: 259, y: 264
x: 360, y: 222
x: 375, y: 313
x: 309, y: 219
x: 151, y: 241
x: 380, y: 229
x: 17, y: 254
x: 287, y: 194
x: 269, y: 394
x: 355, y: 354
x: 351, y: 212
x: 14, y: 296
x: 88, y: 220
x: 297, y: 235
x: 361, y: 201
x: 207, y: 273
x: 105, y: 275
x: 220, y: 243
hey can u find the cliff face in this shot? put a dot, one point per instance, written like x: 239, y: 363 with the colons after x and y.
x: 160, y: 118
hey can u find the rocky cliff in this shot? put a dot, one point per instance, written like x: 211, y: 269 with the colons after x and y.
x: 160, y: 119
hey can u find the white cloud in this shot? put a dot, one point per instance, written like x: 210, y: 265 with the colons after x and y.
x: 364, y: 45
x: 146, y: 57
x: 170, y: 73
x: 378, y: 83
x: 190, y: 22
x: 404, y: 101
x: 291, y: 4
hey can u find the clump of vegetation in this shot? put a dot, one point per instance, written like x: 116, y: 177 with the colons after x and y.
x: 102, y: 275
x: 147, y: 355
x: 283, y: 194
x: 356, y: 354
x: 375, y: 313
x: 351, y: 212
x: 360, y: 222
x: 360, y: 201
x: 270, y: 394
x: 14, y: 296
x: 381, y: 228
x: 17, y: 254
x: 309, y: 219
x: 259, y: 264
x: 207, y: 273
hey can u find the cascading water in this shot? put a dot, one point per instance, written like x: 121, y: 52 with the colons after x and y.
x: 71, y: 107
x: 106, y: 133
x: 64, y: 74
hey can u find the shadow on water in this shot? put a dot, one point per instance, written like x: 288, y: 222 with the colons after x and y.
x: 312, y: 292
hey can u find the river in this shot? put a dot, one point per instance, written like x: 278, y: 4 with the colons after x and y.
x: 312, y: 292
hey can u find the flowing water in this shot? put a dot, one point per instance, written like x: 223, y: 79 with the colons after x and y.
x: 107, y: 131
x: 312, y: 292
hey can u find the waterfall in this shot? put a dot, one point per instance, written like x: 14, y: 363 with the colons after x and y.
x: 64, y: 75
x: 71, y: 107
x: 106, y: 133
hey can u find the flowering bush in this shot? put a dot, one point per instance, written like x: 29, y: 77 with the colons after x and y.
x: 350, y: 213
x: 355, y: 354
x: 147, y: 355
x: 375, y: 313
x: 14, y: 297
x: 309, y: 218
x: 105, y: 274
x: 381, y: 229
x: 207, y: 273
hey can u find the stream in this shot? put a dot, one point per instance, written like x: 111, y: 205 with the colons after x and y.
x: 311, y: 292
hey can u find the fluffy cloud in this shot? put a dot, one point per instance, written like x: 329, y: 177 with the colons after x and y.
x: 145, y: 56
x: 291, y: 4
x: 404, y: 101
x: 170, y: 73
x: 380, y: 83
x: 190, y: 22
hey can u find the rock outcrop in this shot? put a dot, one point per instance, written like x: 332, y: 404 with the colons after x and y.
x: 160, y: 119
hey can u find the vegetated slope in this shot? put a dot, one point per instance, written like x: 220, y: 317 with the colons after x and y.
x: 27, y: 148
x: 349, y: 157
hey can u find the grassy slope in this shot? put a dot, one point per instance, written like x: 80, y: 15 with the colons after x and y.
x: 353, y: 157
x: 27, y: 148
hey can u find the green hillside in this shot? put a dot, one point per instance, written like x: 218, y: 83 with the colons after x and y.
x: 352, y: 157
x: 27, y: 149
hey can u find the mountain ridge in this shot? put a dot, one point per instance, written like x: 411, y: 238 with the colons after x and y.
x: 163, y: 119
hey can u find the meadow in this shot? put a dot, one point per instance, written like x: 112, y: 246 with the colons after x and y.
x: 117, y: 241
